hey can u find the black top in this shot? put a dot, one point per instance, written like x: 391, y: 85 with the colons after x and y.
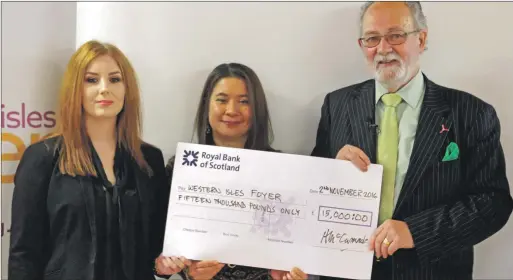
x: 110, y: 200
x: 108, y: 246
x: 239, y: 272
x: 54, y: 231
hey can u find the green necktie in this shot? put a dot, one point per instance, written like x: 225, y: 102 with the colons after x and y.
x: 388, y: 142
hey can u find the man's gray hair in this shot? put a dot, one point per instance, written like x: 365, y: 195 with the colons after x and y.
x: 415, y: 9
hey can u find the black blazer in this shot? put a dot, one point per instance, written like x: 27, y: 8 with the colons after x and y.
x: 53, y: 229
x: 449, y: 206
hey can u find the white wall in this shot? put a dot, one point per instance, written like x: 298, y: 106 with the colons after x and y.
x: 301, y: 51
x: 37, y: 40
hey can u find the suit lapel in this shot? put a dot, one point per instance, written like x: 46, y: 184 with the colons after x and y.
x: 361, y: 116
x: 435, y: 112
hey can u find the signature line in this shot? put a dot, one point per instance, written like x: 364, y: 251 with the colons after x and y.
x: 351, y: 250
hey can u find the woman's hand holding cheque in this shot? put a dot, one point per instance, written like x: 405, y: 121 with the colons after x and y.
x: 294, y: 274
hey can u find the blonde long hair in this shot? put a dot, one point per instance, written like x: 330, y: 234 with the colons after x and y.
x: 75, y: 152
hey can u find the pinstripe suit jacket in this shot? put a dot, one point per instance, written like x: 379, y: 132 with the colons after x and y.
x: 448, y: 206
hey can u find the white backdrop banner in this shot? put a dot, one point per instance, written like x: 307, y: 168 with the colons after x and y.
x: 37, y: 40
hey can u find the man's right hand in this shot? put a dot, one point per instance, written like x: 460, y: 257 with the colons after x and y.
x: 354, y: 155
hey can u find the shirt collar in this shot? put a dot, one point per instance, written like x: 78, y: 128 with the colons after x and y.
x: 411, y: 93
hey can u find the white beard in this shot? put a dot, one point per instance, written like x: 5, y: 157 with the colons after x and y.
x: 391, y: 75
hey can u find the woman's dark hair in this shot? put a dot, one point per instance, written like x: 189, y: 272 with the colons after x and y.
x: 260, y: 134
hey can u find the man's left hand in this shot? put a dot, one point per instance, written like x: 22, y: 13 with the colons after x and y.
x: 389, y: 237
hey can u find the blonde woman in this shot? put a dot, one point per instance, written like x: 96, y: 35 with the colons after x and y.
x: 86, y: 200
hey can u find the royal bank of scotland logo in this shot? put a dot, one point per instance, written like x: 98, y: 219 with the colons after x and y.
x: 190, y: 158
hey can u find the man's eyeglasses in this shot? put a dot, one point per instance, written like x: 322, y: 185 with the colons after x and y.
x: 395, y: 38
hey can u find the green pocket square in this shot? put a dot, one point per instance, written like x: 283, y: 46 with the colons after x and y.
x: 451, y: 152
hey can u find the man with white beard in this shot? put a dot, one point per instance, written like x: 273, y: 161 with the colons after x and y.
x: 444, y: 183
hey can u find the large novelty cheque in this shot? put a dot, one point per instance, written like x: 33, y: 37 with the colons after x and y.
x: 272, y: 210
